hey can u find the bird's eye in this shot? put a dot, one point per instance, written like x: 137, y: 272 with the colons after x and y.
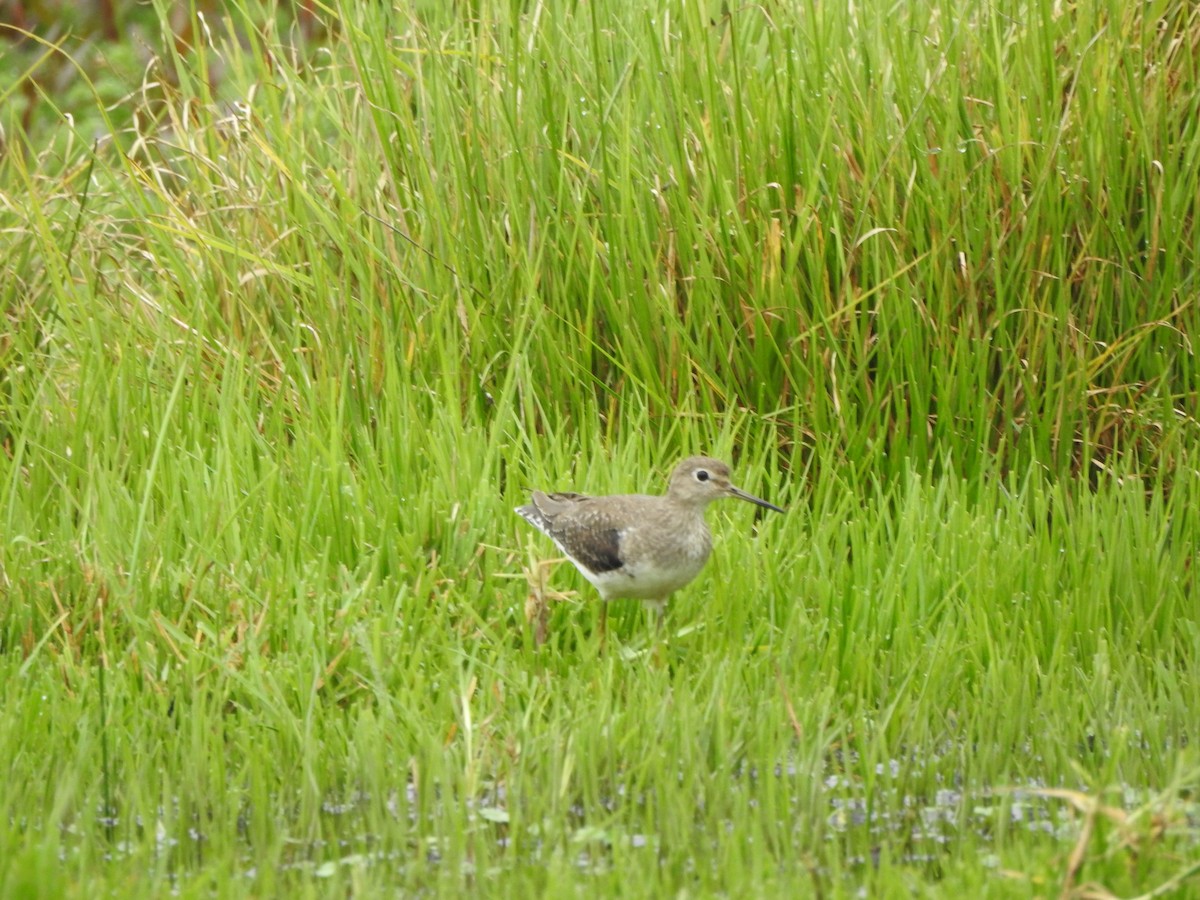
x: 702, y: 475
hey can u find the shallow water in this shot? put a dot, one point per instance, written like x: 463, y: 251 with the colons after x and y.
x: 914, y: 829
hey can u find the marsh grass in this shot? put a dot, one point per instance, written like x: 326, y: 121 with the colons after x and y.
x: 282, y: 353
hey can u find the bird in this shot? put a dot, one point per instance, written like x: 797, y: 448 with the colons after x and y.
x: 634, y: 546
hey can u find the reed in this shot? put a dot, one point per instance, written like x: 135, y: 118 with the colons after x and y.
x: 286, y: 344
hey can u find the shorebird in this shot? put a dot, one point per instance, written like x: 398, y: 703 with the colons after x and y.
x: 637, y: 546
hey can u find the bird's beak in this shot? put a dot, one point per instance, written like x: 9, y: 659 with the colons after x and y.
x: 742, y: 495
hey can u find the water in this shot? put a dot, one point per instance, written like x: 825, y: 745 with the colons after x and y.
x: 862, y: 823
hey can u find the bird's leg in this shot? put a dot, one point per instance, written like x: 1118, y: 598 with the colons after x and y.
x: 659, y: 608
x: 603, y: 628
x: 660, y: 611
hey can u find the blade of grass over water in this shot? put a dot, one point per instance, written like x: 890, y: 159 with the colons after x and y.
x: 300, y: 301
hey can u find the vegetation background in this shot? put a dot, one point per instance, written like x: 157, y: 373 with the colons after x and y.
x: 298, y: 302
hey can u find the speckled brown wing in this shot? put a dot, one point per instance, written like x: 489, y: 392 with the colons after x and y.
x: 580, y: 529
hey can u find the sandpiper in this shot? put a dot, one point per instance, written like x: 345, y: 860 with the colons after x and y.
x: 636, y: 546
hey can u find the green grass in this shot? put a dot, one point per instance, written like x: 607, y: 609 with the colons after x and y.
x: 286, y: 345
